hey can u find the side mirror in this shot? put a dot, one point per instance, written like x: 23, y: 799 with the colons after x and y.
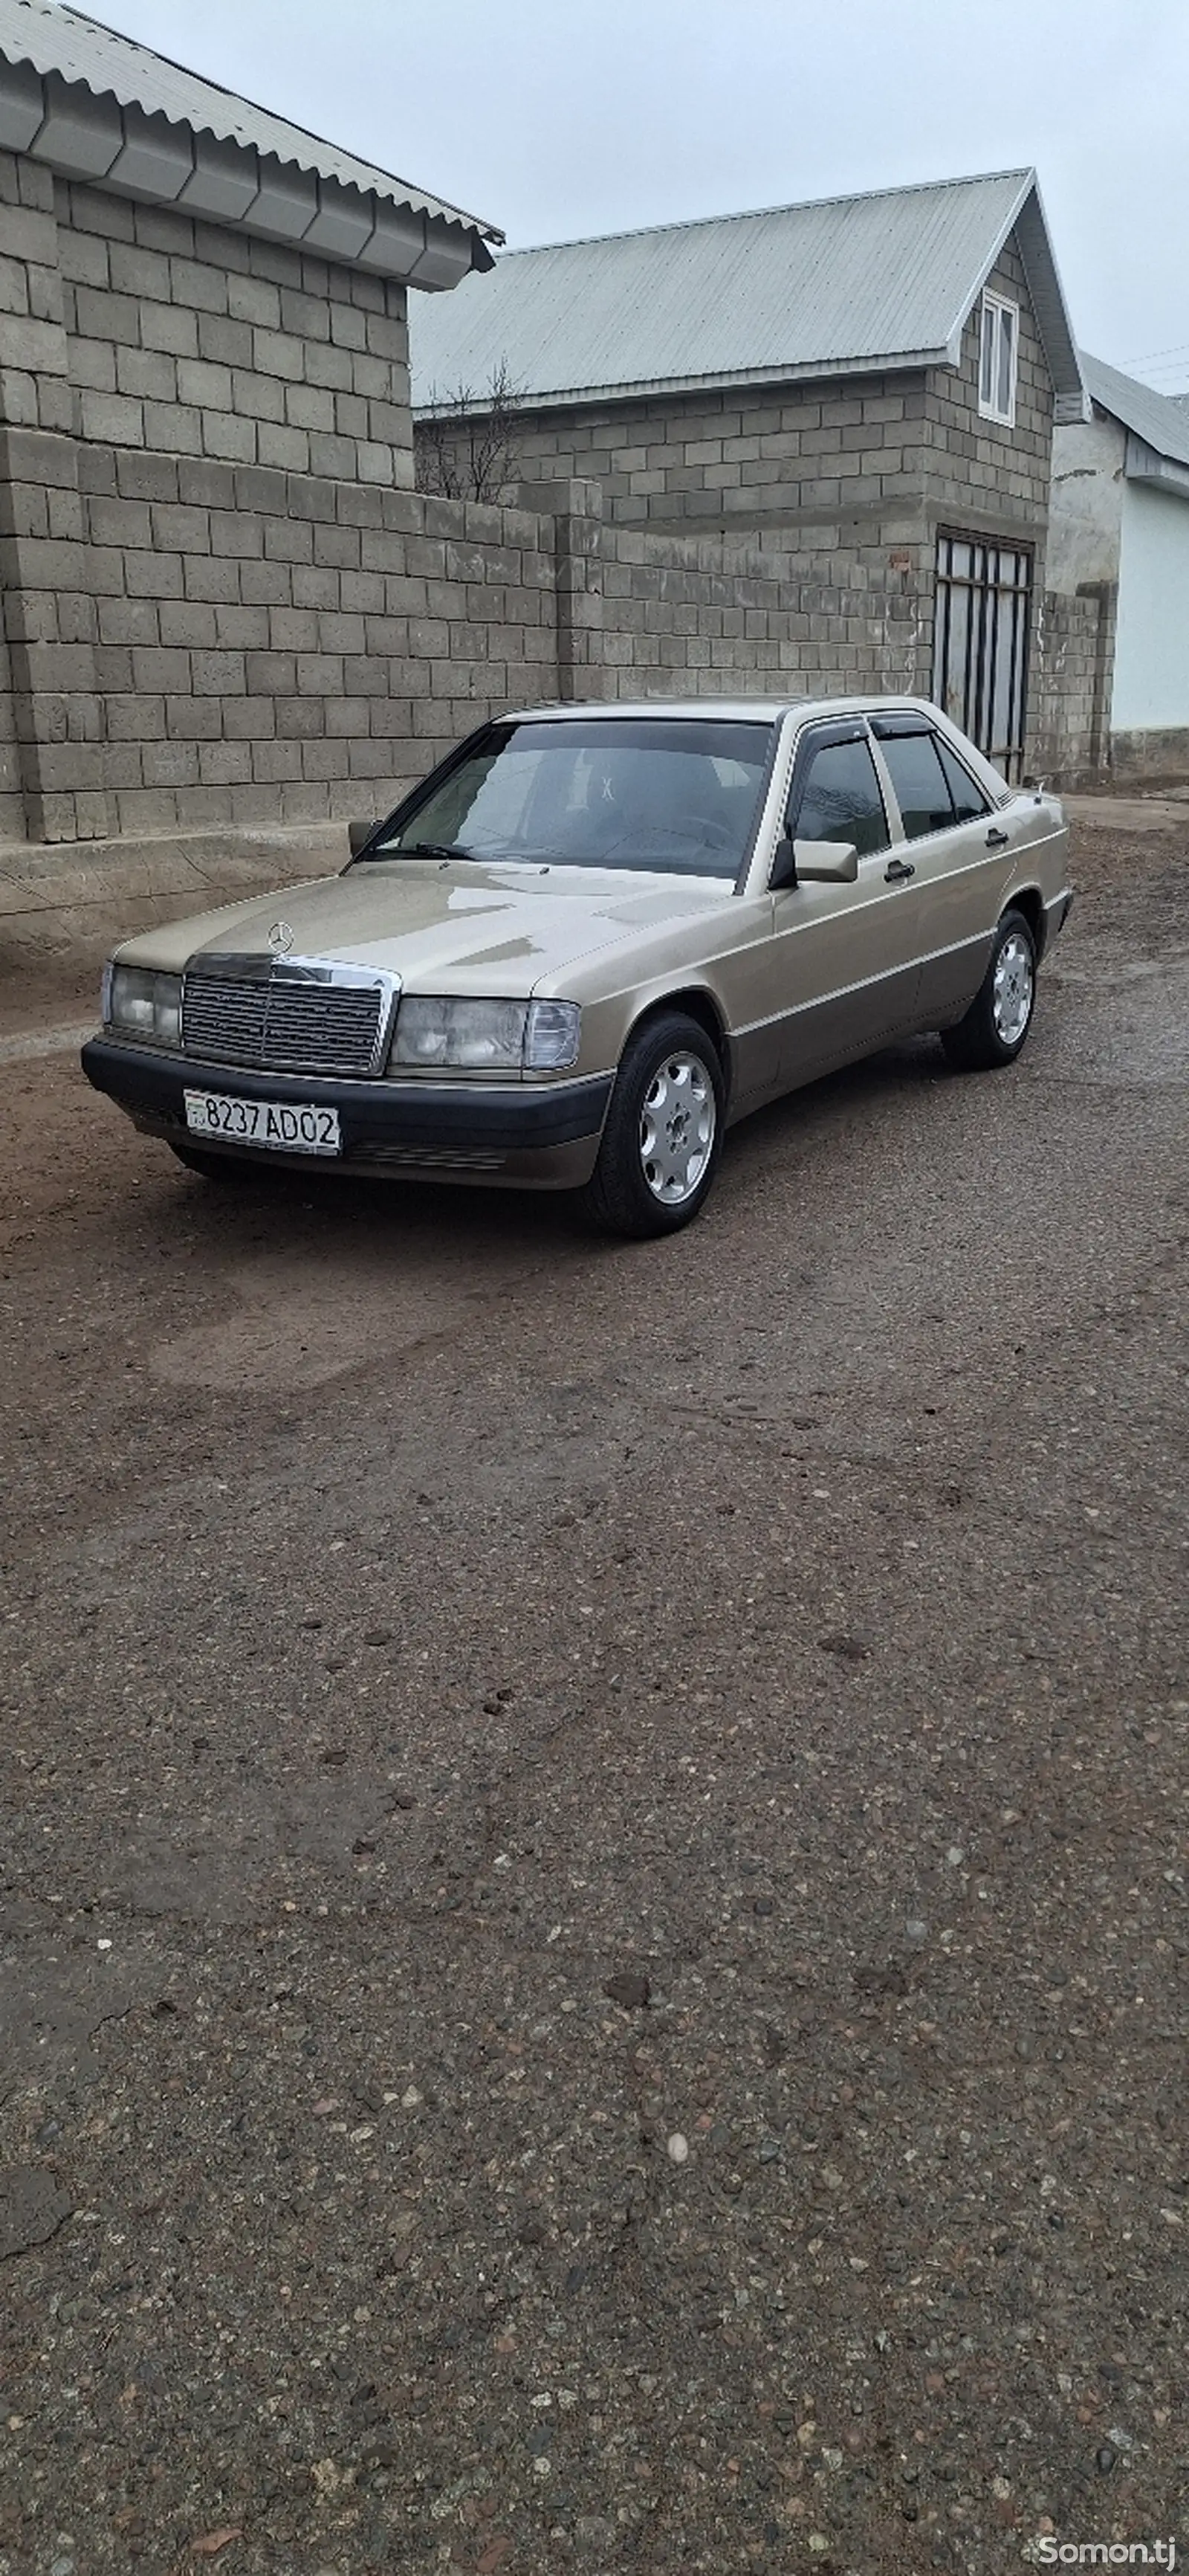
x: 827, y: 862
x: 358, y: 836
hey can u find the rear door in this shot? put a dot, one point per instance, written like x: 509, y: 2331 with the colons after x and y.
x: 955, y: 842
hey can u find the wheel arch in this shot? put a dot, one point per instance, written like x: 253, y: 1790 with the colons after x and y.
x: 699, y: 1004
x: 1030, y: 901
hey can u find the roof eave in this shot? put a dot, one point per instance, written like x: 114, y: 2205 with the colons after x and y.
x: 808, y: 371
x: 1026, y: 218
x: 1145, y: 464
x: 105, y: 141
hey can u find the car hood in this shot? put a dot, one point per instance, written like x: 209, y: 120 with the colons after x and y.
x: 440, y: 925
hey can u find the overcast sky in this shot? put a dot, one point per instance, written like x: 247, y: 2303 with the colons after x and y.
x: 553, y: 120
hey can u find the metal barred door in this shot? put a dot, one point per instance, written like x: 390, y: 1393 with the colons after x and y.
x: 980, y: 644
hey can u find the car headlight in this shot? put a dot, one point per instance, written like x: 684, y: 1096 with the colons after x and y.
x: 435, y: 1029
x: 553, y: 1036
x: 140, y: 1003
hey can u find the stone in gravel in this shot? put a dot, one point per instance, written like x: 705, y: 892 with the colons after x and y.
x: 678, y: 2148
x: 377, y: 1636
x: 851, y: 1646
x: 32, y: 2208
x: 333, y: 1760
x: 311, y: 1622
x: 915, y: 1930
x: 1105, y: 2458
x: 629, y: 1989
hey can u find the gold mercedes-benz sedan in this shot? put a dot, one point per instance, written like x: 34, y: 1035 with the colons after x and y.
x: 590, y: 941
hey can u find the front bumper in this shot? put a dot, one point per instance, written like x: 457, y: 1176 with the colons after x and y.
x: 524, y: 1135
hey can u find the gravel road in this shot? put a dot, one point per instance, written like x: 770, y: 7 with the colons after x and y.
x: 594, y: 1916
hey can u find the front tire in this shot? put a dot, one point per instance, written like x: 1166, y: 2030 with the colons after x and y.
x: 1000, y: 1016
x: 663, y: 1134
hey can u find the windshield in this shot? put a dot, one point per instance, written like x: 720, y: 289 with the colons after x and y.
x: 674, y: 794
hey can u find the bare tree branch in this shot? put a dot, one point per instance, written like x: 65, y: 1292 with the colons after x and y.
x: 464, y: 446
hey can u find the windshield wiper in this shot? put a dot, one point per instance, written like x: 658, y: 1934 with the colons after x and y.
x: 429, y: 850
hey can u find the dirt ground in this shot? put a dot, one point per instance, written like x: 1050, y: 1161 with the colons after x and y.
x: 594, y: 1872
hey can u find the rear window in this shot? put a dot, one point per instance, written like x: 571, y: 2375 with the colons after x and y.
x: 919, y: 780
x: 969, y: 800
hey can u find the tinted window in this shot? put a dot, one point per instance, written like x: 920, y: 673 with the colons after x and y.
x: 919, y: 781
x: 841, y: 800
x: 969, y: 801
x: 679, y: 795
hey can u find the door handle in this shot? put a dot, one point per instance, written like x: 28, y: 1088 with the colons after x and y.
x: 997, y: 840
x: 898, y: 872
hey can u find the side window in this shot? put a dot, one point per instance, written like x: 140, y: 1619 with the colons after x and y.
x: 840, y: 800
x: 969, y: 800
x: 999, y: 335
x: 919, y: 781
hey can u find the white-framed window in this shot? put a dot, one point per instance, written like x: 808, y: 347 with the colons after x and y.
x: 999, y: 340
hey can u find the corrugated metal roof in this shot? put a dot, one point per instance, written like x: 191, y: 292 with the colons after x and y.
x: 842, y: 284
x: 1161, y: 421
x: 63, y: 40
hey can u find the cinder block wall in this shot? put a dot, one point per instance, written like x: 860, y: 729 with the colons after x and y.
x: 815, y: 456
x: 279, y: 646
x: 193, y: 339
x: 1072, y: 658
x: 711, y: 615
x: 224, y: 604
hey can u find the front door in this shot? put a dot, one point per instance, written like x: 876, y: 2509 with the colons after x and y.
x: 840, y: 973
x: 980, y: 644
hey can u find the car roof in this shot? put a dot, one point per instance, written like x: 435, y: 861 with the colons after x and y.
x: 734, y: 710
x: 771, y: 710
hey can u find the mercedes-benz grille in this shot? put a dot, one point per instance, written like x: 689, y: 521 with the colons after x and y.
x: 287, y: 1016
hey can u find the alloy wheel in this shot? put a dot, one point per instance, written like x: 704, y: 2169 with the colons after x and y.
x: 677, y: 1124
x: 1011, y: 1000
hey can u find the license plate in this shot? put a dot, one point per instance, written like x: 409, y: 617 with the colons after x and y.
x: 288, y: 1127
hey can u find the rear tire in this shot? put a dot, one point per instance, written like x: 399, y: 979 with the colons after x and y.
x: 1000, y: 1016
x: 663, y: 1135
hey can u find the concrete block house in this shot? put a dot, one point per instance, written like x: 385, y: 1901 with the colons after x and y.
x: 1120, y: 534
x: 867, y: 386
